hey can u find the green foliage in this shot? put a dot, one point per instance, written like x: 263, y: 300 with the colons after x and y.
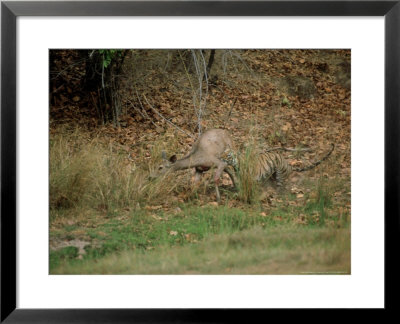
x: 109, y: 55
x: 285, y: 102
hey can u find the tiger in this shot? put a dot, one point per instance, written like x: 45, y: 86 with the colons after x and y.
x: 272, y: 165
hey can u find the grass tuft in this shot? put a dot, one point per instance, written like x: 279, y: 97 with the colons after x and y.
x: 248, y: 187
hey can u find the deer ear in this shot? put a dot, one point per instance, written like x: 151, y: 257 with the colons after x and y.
x: 164, y: 155
x: 172, y: 159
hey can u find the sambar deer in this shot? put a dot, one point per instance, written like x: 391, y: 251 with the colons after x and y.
x: 205, y: 154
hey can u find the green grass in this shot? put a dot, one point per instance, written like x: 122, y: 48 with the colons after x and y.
x: 144, y: 231
x: 253, y: 251
x: 58, y: 257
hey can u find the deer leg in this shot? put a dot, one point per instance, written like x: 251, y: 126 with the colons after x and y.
x: 217, y: 193
x: 220, y: 168
x: 197, y: 177
x: 230, y: 176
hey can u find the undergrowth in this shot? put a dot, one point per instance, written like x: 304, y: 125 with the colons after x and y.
x: 100, y: 197
x: 90, y: 174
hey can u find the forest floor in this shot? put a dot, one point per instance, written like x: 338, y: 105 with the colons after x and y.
x: 107, y: 217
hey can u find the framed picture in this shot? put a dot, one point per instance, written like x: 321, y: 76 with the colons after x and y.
x: 97, y: 225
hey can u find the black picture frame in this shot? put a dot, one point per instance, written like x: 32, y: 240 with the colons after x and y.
x: 9, y: 13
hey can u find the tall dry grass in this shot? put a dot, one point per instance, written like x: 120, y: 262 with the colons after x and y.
x: 88, y: 173
x: 248, y: 187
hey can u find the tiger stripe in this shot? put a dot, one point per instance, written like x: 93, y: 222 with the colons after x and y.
x: 272, y: 165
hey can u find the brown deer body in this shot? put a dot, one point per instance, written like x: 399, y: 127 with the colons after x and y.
x: 205, y: 154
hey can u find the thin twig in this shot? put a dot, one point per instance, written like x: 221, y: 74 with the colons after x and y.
x: 144, y: 115
x: 206, y: 80
x: 230, y: 112
x: 159, y: 114
x: 55, y: 91
x: 242, y: 61
x: 190, y: 81
x: 102, y: 72
x: 288, y: 149
x: 200, y: 91
x: 68, y: 67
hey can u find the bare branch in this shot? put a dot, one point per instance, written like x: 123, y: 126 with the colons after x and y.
x: 288, y: 149
x: 190, y: 81
x: 169, y: 122
x: 230, y: 112
x: 142, y: 111
x: 206, y: 79
x: 239, y: 57
x: 198, y: 110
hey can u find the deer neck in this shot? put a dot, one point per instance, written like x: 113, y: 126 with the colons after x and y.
x: 185, y: 163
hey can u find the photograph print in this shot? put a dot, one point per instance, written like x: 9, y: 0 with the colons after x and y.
x: 200, y: 161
